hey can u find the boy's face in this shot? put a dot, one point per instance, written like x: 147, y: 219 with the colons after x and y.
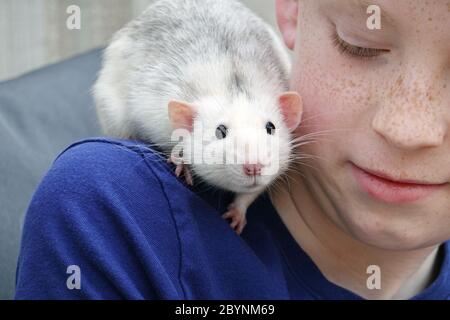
x: 382, y: 99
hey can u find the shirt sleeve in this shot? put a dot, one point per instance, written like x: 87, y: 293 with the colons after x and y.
x: 99, y: 227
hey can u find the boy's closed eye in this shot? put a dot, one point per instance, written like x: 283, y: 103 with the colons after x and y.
x: 354, y: 50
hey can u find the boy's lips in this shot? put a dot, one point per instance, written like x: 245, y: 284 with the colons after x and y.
x: 387, y: 189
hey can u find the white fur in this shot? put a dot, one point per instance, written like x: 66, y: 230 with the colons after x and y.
x: 191, y: 50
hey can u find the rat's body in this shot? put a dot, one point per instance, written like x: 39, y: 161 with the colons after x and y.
x: 202, y: 65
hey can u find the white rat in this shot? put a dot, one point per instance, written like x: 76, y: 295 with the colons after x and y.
x: 215, y: 69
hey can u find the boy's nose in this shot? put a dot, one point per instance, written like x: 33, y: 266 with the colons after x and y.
x: 408, y: 118
x: 252, y: 170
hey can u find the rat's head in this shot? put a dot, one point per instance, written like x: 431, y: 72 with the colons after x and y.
x: 240, y: 145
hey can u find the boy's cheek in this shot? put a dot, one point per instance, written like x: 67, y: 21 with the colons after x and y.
x: 329, y: 104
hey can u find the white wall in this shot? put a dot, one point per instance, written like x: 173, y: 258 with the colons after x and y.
x: 33, y: 33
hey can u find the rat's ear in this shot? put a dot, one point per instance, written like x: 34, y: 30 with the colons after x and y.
x: 291, y: 106
x: 181, y: 115
x: 287, y: 17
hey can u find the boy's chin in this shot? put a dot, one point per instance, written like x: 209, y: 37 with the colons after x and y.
x: 392, y: 232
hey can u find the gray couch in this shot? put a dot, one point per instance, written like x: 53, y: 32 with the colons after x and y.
x: 40, y: 114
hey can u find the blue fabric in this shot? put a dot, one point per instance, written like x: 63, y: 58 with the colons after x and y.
x: 115, y: 209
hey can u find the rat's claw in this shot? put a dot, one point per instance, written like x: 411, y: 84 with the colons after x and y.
x: 188, y: 176
x: 227, y: 215
x: 238, y: 220
x: 241, y: 227
x: 180, y: 169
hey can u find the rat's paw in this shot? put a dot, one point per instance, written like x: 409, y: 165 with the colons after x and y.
x: 238, y: 220
x: 182, y: 169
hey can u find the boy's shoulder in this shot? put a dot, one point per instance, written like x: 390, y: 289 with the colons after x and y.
x: 121, y: 177
x: 111, y: 179
x: 107, y: 154
x: 97, y: 162
x: 105, y: 204
x: 129, y: 163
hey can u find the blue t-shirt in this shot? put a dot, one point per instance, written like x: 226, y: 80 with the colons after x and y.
x: 115, y: 211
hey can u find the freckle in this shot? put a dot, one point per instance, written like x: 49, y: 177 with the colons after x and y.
x: 430, y: 19
x: 445, y: 86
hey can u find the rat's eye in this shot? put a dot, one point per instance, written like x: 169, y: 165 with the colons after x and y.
x: 221, y: 132
x: 270, y: 128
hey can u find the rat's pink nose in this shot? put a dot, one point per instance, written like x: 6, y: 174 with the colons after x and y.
x: 252, y: 170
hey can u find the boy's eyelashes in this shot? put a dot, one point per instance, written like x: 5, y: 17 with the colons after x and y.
x: 356, y: 51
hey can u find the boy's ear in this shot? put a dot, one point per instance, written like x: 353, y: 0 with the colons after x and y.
x: 291, y: 106
x: 287, y: 17
x: 181, y: 115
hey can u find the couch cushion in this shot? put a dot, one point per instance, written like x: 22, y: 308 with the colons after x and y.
x: 40, y: 114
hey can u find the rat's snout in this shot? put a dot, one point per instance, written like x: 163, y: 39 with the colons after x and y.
x: 252, y: 170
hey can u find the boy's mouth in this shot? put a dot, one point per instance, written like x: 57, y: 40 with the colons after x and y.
x: 387, y: 189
